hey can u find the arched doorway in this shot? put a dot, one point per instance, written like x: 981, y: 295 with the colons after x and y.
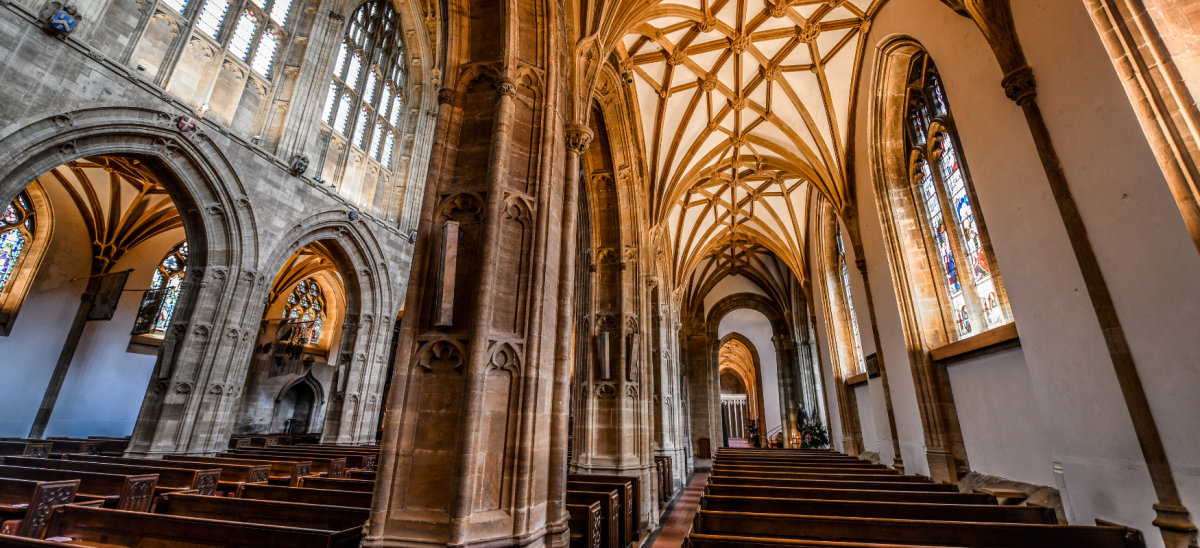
x: 741, y: 381
x: 296, y: 356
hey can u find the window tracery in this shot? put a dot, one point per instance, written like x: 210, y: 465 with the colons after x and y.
x: 158, y: 304
x: 17, y: 225
x: 970, y: 282
x: 368, y: 79
x: 258, y: 34
x: 306, y: 305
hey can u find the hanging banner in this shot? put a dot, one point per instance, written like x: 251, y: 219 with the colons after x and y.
x: 104, y: 304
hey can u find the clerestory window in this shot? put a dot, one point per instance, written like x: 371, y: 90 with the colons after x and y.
x: 953, y: 228
x: 258, y: 34
x: 158, y: 304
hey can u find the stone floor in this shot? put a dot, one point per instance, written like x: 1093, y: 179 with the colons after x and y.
x: 678, y: 518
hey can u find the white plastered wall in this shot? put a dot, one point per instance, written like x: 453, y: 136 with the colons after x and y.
x: 753, y: 325
x: 1147, y: 259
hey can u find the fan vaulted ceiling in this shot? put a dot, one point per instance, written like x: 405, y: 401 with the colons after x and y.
x: 744, y: 108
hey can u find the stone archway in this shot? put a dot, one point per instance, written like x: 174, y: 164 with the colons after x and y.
x: 217, y: 220
x: 355, y: 394
x: 753, y: 378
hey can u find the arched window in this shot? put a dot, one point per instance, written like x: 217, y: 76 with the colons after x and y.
x: 364, y: 100
x: 306, y: 304
x: 16, y: 234
x: 257, y: 35
x: 158, y: 304
x: 844, y: 271
x: 952, y: 224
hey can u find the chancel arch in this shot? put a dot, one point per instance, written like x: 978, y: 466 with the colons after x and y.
x: 740, y: 374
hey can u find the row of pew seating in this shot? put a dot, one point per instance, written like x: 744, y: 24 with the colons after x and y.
x: 666, y: 485
x: 774, y: 497
x: 273, y: 439
x: 270, y: 497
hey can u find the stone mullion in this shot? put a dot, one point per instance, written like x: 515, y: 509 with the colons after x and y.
x: 480, y: 331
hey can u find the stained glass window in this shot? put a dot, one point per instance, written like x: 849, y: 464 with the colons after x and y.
x: 16, y: 232
x: 243, y: 35
x: 955, y: 228
x: 264, y: 56
x: 849, y: 300
x: 368, y: 77
x: 211, y: 17
x: 178, y: 5
x: 280, y: 11
x: 307, y: 304
x: 158, y: 303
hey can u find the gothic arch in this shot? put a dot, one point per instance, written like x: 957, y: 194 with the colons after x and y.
x: 217, y: 220
x: 759, y: 398
x: 370, y: 305
x: 320, y: 406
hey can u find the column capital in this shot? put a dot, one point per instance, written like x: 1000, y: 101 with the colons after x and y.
x: 1020, y: 85
x: 861, y: 264
x: 506, y: 86
x: 446, y: 96
x: 579, y: 137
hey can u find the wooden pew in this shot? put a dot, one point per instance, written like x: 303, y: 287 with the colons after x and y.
x: 633, y: 492
x: 333, y: 467
x: 338, y: 484
x: 175, y: 479
x: 282, y: 471
x: 231, y: 474
x: 946, y: 533
x: 610, y: 514
x: 59, y: 447
x: 769, y: 491
x: 695, y: 540
x: 624, y: 493
x: 1040, y: 515
x: 115, y: 528
x: 121, y: 491
x: 803, y: 475
x: 585, y: 524
x: 827, y: 484
x: 24, y: 449
x: 360, y: 474
x: 347, y: 460
x: 114, y: 447
x: 832, y: 468
x: 370, y: 454
x: 266, y: 512
x: 353, y: 460
x: 305, y: 495
x: 25, y: 504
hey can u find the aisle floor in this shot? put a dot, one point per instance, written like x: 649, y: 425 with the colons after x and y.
x: 678, y: 519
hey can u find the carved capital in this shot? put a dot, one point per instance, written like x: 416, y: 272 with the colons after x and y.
x: 506, y: 87
x: 446, y: 96
x: 1020, y: 85
x: 579, y: 137
x: 862, y: 265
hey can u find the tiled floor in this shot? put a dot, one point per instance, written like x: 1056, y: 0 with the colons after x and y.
x: 679, y: 519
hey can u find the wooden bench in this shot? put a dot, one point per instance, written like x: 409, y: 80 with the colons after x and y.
x: 885, y: 477
x: 633, y: 492
x: 267, y: 512
x: 1040, y: 515
x: 333, y: 467
x: 331, y: 464
x: 610, y: 514
x: 175, y: 479
x: 769, y: 491
x: 361, y: 474
x: 305, y: 495
x: 231, y: 474
x: 338, y: 484
x: 695, y: 540
x: 25, y: 504
x: 24, y: 449
x: 838, y: 484
x: 831, y: 468
x: 282, y: 471
x: 624, y: 492
x: 370, y: 454
x: 111, y: 446
x: 121, y: 491
x: 357, y: 461
x: 585, y: 524
x: 866, y: 530
x: 113, y: 528
x: 66, y: 446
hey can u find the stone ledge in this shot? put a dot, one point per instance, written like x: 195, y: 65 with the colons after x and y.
x: 992, y: 340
